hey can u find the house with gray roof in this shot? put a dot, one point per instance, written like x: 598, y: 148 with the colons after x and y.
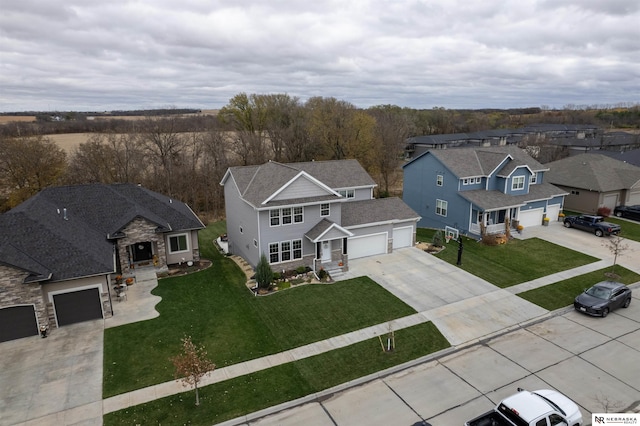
x: 318, y: 214
x: 61, y: 249
x: 482, y: 187
x: 595, y: 180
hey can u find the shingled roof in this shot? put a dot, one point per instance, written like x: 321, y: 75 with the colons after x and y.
x: 593, y: 172
x: 482, y: 161
x: 257, y: 183
x: 65, y: 232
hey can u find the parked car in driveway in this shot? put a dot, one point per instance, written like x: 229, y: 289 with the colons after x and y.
x: 594, y: 224
x: 603, y: 298
x: 629, y: 212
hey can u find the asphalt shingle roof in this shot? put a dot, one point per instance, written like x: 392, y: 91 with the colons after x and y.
x: 64, y: 231
x: 375, y: 211
x: 493, y: 200
x: 481, y: 161
x: 593, y: 172
x: 257, y: 183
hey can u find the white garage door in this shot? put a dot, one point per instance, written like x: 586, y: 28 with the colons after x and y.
x: 403, y: 237
x: 611, y: 201
x: 553, y: 211
x: 367, y: 245
x: 530, y: 217
x: 634, y: 198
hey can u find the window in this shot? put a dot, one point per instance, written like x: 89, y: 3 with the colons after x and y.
x: 478, y: 180
x: 274, y: 254
x: 533, y: 178
x: 465, y: 181
x: 275, y: 217
x: 297, y: 249
x: 286, y: 216
x: 347, y: 193
x: 441, y: 207
x: 517, y: 183
x: 439, y: 180
x: 255, y: 243
x: 297, y: 215
x: 178, y: 243
x: 285, y: 251
x: 324, y: 209
x: 575, y: 192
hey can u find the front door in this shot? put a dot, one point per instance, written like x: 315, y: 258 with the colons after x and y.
x: 142, y: 251
x: 326, y: 251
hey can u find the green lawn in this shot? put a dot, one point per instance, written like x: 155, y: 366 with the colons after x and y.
x: 232, y: 398
x: 509, y: 264
x: 215, y: 308
x: 558, y: 295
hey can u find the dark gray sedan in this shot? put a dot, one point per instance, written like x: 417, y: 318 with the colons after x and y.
x: 603, y: 298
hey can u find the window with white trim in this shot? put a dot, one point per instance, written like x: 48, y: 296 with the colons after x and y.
x: 274, y: 253
x: 255, y: 242
x: 324, y: 209
x: 348, y: 193
x: 441, y: 207
x: 517, y: 183
x: 465, y: 181
x: 478, y: 180
x: 533, y: 178
x: 439, y: 180
x: 274, y: 216
x: 285, y: 251
x: 178, y: 243
x: 286, y: 216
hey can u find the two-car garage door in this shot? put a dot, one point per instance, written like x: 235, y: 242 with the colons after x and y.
x: 367, y: 245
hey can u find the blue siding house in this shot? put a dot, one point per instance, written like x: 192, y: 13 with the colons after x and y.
x: 465, y: 187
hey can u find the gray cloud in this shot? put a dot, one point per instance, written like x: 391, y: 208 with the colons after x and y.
x: 94, y: 55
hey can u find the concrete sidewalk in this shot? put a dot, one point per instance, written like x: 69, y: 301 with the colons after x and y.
x: 445, y: 317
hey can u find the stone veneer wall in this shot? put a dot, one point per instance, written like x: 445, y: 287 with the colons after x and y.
x: 138, y: 231
x: 14, y: 292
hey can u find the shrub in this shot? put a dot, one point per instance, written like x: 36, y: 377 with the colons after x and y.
x: 437, y: 239
x: 277, y: 276
x: 264, y: 274
x: 301, y: 269
x: 322, y: 274
x: 604, y: 211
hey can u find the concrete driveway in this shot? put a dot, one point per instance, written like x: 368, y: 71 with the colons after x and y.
x: 53, y: 381
x: 462, y: 306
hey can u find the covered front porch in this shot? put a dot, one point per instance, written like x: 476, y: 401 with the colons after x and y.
x: 330, y: 240
x: 489, y: 222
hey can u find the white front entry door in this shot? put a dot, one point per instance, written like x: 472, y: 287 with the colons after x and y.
x: 326, y: 251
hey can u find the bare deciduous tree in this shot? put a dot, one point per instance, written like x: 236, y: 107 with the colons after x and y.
x: 616, y: 246
x: 191, y: 365
x: 28, y: 165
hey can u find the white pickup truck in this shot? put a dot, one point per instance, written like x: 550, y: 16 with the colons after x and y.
x: 538, y: 408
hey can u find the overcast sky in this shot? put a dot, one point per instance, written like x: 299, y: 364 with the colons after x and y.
x: 97, y: 55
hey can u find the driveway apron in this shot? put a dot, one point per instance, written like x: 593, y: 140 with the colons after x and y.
x: 463, y: 307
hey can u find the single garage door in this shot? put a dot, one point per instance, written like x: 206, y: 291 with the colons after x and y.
x: 368, y: 245
x: 611, y: 201
x: 634, y: 198
x: 553, y: 211
x: 17, y: 322
x: 402, y: 237
x: 531, y: 217
x: 78, y: 306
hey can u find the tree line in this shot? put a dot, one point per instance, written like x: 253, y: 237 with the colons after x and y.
x: 185, y: 156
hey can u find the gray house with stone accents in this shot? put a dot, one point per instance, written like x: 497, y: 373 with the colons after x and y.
x: 318, y: 214
x: 61, y: 249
